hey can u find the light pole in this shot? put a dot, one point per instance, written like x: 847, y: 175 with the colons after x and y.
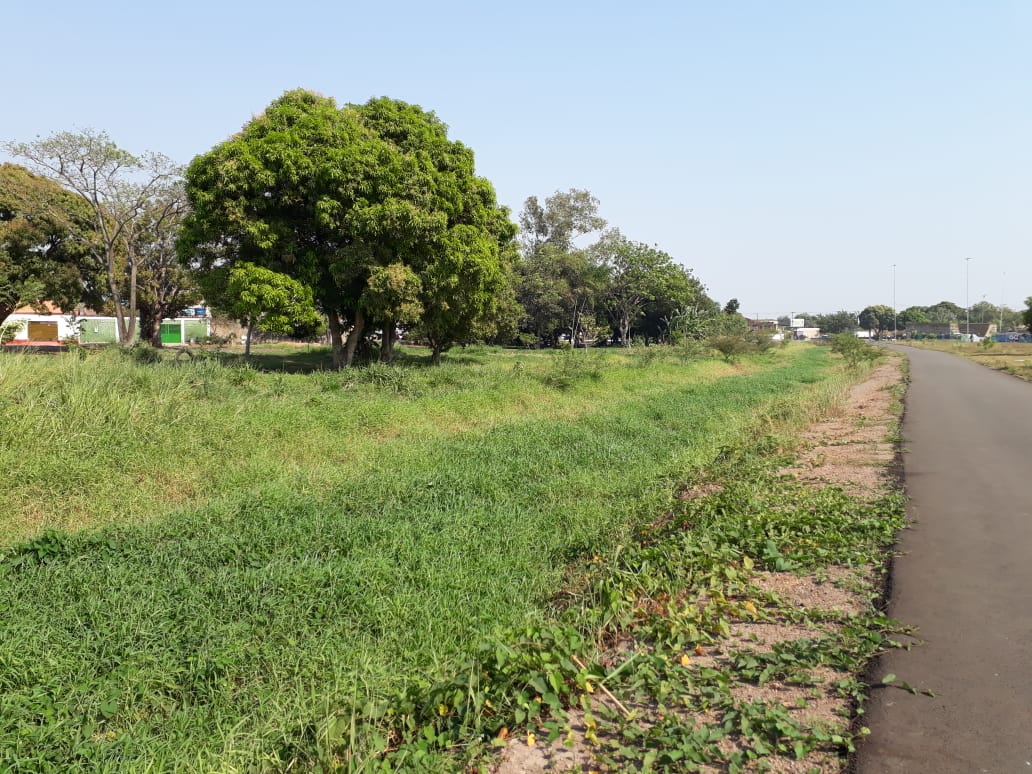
x: 1003, y: 289
x: 967, y: 294
x: 894, y: 334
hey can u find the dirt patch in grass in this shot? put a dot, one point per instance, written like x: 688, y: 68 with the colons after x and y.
x: 837, y: 590
x: 853, y: 450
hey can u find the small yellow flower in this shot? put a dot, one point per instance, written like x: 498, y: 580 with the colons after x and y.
x: 531, y: 741
x: 442, y: 710
x: 750, y: 607
x: 685, y: 660
x: 589, y: 687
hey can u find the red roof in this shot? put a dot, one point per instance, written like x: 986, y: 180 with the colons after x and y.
x: 48, y: 307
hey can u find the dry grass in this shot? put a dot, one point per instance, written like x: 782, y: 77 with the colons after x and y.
x: 1014, y: 359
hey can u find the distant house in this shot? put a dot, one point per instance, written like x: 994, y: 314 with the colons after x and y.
x: 47, y: 324
x: 53, y: 326
x: 770, y: 326
x: 940, y: 330
x: 982, y: 330
x: 805, y: 334
x: 950, y: 329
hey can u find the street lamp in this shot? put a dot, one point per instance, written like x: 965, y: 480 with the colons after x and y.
x: 894, y: 334
x: 967, y: 294
x: 1003, y: 287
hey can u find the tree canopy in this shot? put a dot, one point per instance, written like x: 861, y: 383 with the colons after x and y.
x: 116, y: 188
x: 944, y: 312
x: 45, y: 233
x: 641, y: 279
x: 877, y: 318
x: 835, y: 322
x: 267, y: 301
x: 575, y: 292
x: 328, y: 195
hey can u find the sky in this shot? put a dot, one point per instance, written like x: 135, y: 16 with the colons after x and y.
x: 797, y: 156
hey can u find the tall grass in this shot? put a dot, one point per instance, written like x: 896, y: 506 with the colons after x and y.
x: 334, y: 536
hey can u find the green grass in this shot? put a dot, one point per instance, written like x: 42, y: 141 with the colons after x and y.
x: 280, y: 545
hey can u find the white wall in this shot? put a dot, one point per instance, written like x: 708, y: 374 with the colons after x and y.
x: 66, y: 327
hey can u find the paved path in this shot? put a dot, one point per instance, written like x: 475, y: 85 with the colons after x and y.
x: 965, y: 579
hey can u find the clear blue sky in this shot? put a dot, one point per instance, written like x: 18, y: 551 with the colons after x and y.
x: 788, y: 152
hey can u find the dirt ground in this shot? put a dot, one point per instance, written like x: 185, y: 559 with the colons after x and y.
x: 854, y: 449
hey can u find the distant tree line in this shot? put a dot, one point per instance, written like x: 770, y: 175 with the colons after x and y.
x: 881, y: 319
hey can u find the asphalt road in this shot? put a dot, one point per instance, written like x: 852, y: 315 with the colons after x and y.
x: 964, y: 579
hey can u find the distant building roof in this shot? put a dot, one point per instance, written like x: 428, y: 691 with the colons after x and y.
x: 44, y: 307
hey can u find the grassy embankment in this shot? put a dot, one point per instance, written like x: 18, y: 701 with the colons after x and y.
x: 1015, y: 359
x: 278, y: 546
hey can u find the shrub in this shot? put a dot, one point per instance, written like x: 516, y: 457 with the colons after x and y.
x: 855, y: 351
x: 731, y: 347
x: 569, y: 367
x: 8, y: 331
x: 144, y: 354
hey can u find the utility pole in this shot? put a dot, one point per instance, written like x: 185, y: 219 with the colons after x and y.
x: 894, y: 334
x: 1003, y: 289
x: 967, y: 294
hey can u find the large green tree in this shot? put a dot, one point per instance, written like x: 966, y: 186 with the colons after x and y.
x: 877, y: 318
x: 298, y: 191
x: 945, y: 312
x: 328, y: 195
x: 45, y: 233
x: 560, y: 285
x: 676, y: 289
x: 1026, y: 316
x: 913, y: 314
x: 463, y: 249
x: 637, y: 275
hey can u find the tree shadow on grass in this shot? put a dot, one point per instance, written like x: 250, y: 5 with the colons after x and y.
x: 319, y: 358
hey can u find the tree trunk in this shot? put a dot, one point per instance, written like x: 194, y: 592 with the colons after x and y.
x: 150, y: 327
x: 132, y: 302
x: 435, y: 353
x: 354, y: 337
x: 387, y: 344
x: 625, y: 331
x: 336, y: 338
x: 116, y: 300
x: 250, y: 335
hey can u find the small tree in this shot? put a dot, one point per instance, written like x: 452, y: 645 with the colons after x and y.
x: 165, y: 286
x: 731, y: 347
x: 267, y: 301
x: 1026, y: 316
x: 855, y: 351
